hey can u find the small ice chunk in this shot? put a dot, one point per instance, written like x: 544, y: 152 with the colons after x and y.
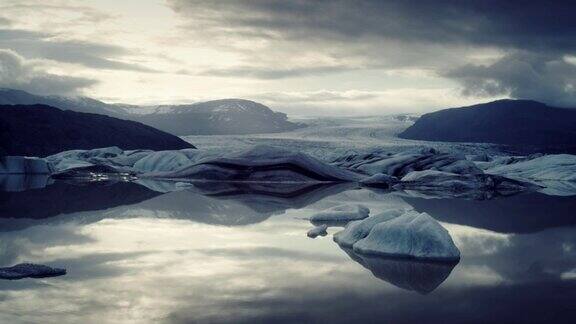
x: 29, y: 270
x: 341, y: 213
x: 319, y: 230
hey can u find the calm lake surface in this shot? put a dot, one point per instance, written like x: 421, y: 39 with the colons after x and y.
x: 232, y: 254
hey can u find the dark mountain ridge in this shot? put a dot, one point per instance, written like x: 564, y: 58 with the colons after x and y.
x: 511, y: 122
x: 40, y: 130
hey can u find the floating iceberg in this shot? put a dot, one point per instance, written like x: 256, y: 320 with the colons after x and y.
x: 23, y: 165
x: 316, y: 231
x: 439, y: 183
x: 343, y: 213
x: 410, y: 235
x: 262, y: 164
x: 400, y: 164
x: 29, y: 270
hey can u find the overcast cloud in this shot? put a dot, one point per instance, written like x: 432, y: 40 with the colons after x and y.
x: 322, y: 56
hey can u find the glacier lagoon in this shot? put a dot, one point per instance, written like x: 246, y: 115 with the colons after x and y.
x: 137, y: 255
x: 146, y: 251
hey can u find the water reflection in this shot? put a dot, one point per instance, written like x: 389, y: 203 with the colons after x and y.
x: 419, y: 276
x: 229, y: 254
x: 523, y: 213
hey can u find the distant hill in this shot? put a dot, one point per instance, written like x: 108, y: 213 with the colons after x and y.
x: 226, y: 116
x: 40, y: 130
x: 512, y: 122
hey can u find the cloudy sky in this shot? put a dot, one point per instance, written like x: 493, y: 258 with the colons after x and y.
x: 299, y: 56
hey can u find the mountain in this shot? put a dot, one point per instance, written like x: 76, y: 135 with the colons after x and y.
x: 513, y: 122
x: 226, y: 116
x: 40, y: 130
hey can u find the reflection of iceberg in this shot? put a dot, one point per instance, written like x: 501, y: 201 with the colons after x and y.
x: 422, y: 277
x: 229, y: 204
x: 524, y: 213
x: 271, y: 197
x: 22, y: 182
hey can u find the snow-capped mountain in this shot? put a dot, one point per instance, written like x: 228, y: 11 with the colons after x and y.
x: 226, y: 116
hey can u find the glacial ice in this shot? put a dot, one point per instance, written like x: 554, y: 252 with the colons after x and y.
x: 341, y: 213
x: 409, y: 235
x: 166, y: 160
x: 23, y: 165
x: 558, y: 167
x: 265, y: 164
x: 29, y: 270
x: 400, y: 164
x: 316, y: 231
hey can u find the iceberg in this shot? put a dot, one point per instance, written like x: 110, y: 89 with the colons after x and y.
x: 316, y: 231
x: 410, y: 235
x: 400, y: 164
x: 262, y: 163
x: 29, y: 270
x: 439, y: 183
x: 23, y: 165
x: 342, y: 213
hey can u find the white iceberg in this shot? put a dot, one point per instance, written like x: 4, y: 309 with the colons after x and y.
x: 410, y: 235
x: 341, y: 213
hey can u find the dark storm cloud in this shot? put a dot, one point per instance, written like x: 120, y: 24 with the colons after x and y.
x: 425, y: 31
x: 514, y: 24
x: 544, y: 78
x: 17, y: 72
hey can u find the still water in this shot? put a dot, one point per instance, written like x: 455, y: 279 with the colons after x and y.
x: 241, y: 255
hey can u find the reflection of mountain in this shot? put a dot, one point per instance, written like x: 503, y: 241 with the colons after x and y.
x: 64, y: 198
x: 524, y: 213
x: 422, y: 277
